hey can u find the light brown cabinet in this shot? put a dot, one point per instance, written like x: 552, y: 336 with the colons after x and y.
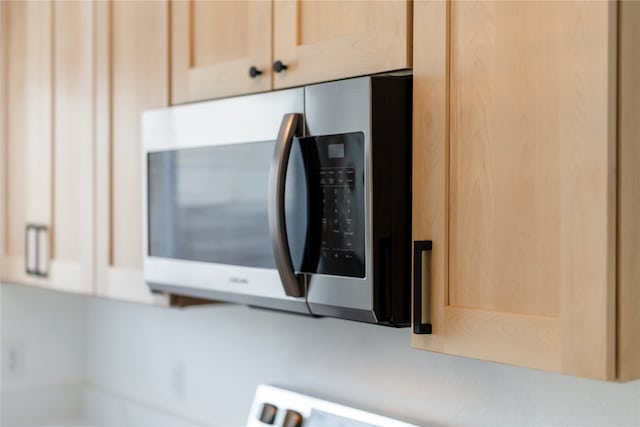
x: 215, y: 44
x: 72, y: 233
x: 75, y: 79
x: 526, y: 157
x: 330, y: 40
x: 48, y: 144
x: 27, y: 87
x: 516, y: 183
x: 133, y: 67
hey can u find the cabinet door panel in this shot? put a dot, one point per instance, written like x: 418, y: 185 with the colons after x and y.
x: 213, y: 45
x: 514, y: 180
x: 73, y: 147
x: 133, y: 76
x: 27, y: 134
x: 327, y: 40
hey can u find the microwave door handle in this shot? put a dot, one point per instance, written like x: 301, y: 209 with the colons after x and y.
x: 291, y: 126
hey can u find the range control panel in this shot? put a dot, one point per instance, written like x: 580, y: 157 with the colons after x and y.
x: 274, y: 406
x: 335, y: 164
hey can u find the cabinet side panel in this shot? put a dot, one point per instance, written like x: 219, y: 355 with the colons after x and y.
x: 588, y: 236
x: 3, y: 154
x: 629, y: 192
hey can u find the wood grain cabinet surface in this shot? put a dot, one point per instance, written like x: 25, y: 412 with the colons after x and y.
x: 75, y: 78
x: 133, y: 76
x: 26, y: 149
x: 526, y: 152
x: 517, y: 183
x: 215, y: 44
x: 47, y: 80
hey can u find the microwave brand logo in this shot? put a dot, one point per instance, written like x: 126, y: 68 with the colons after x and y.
x: 241, y: 280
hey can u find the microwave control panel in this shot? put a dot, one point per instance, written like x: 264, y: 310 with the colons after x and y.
x: 335, y: 168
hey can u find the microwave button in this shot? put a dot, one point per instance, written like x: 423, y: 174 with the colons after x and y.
x: 268, y: 414
x: 331, y: 177
x: 350, y: 177
x: 323, y: 179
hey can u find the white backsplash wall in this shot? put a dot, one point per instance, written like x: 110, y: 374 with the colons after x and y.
x: 43, y: 354
x: 201, y: 365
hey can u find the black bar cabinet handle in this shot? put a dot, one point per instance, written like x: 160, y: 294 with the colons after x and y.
x: 27, y: 229
x: 39, y: 229
x: 419, y: 326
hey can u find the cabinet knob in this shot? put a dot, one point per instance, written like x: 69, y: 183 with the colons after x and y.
x: 254, y: 72
x: 278, y: 66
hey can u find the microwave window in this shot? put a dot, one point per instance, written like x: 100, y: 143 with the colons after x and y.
x: 209, y: 204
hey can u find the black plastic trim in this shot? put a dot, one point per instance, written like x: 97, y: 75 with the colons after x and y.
x: 391, y: 104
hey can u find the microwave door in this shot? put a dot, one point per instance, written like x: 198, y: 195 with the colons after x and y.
x: 206, y: 211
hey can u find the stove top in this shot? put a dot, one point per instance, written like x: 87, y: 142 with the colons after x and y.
x: 274, y: 406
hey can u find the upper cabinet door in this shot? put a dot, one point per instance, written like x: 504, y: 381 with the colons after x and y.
x: 327, y: 40
x: 514, y: 174
x: 26, y: 139
x: 133, y: 76
x: 215, y: 44
x: 72, y: 250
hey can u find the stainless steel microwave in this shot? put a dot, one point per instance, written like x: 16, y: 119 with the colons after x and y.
x: 295, y: 200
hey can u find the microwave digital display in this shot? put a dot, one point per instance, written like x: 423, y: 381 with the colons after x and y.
x: 336, y: 151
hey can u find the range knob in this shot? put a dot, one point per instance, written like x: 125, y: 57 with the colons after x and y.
x: 268, y: 413
x: 292, y: 419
